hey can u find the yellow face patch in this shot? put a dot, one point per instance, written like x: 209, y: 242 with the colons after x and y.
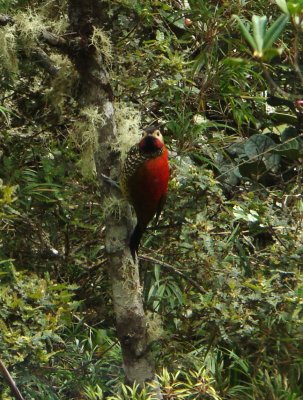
x: 157, y: 134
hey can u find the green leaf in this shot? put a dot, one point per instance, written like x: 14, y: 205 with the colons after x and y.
x: 261, y: 41
x: 5, y: 111
x: 290, y: 149
x: 257, y: 144
x: 252, y: 169
x: 258, y: 148
x: 268, y: 54
x: 259, y: 29
x: 173, y: 19
x: 272, y: 162
x: 289, y: 133
x: 246, y: 33
x: 279, y: 118
x: 295, y: 7
x: 274, y: 31
x: 283, y: 5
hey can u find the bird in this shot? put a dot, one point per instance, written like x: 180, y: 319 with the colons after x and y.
x: 144, y: 181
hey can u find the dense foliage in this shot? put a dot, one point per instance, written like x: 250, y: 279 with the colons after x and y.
x: 227, y: 93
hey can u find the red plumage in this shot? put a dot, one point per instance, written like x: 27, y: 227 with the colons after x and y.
x: 149, y: 188
x: 145, y: 182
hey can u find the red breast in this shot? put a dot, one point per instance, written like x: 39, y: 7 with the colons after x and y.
x: 150, y: 183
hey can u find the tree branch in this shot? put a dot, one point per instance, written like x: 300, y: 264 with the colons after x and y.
x: 46, y: 36
x: 43, y: 60
x: 10, y: 381
x: 174, y: 271
x: 95, y: 91
x: 38, y: 54
x: 54, y: 40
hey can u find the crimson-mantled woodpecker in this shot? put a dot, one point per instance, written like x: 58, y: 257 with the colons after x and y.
x: 144, y: 181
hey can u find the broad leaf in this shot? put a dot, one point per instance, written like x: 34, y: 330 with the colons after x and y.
x: 289, y: 133
x: 256, y: 145
x: 290, y: 149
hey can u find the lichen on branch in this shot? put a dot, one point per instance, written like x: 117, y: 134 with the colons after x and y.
x: 8, y: 52
x: 128, y: 122
x: 101, y: 41
x: 85, y: 134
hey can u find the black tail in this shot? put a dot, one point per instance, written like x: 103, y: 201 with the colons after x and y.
x: 135, y: 241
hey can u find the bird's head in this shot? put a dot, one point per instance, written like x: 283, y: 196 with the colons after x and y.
x: 152, y: 140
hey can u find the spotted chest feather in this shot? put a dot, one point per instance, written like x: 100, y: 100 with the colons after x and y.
x: 135, y: 158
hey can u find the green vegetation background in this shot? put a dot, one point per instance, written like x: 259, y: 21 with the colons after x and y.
x: 229, y: 102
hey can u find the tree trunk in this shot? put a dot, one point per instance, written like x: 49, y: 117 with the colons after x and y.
x: 95, y: 91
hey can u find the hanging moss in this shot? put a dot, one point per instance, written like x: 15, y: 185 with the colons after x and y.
x: 87, y: 163
x: 86, y: 131
x: 155, y: 329
x: 63, y: 84
x: 114, y: 207
x: 8, y: 56
x: 102, y: 44
x: 85, y: 135
x: 128, y: 122
x: 55, y: 11
x: 30, y: 26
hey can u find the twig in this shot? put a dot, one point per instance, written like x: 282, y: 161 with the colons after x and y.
x: 167, y: 226
x: 296, y: 63
x: 258, y: 156
x: 128, y: 33
x: 95, y: 267
x: 83, y: 245
x: 47, y: 36
x: 54, y: 40
x: 175, y: 271
x: 275, y: 87
x: 10, y: 381
x: 108, y: 349
x: 44, y: 61
x: 110, y: 181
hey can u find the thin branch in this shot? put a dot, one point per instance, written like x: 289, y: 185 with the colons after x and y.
x: 96, y: 266
x: 110, y: 181
x: 296, y: 52
x: 38, y: 54
x: 258, y: 156
x: 54, y: 40
x: 276, y: 88
x: 174, y: 271
x: 128, y: 33
x: 108, y: 349
x: 46, y: 36
x: 167, y: 226
x: 43, y: 60
x: 83, y: 245
x: 10, y: 381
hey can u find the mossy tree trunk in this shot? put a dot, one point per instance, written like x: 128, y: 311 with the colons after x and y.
x: 95, y: 90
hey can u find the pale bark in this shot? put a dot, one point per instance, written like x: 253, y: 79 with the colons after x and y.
x: 95, y: 90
